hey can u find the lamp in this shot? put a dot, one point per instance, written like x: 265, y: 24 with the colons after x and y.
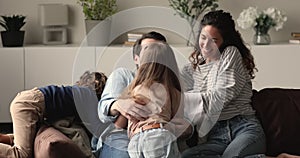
x: 54, y: 19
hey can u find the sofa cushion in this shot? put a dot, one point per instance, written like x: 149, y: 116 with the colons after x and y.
x: 50, y: 143
x: 279, y: 112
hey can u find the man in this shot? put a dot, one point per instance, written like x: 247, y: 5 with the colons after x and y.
x: 114, y: 141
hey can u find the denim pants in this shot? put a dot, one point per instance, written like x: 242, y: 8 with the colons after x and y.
x: 240, y: 136
x: 114, y: 146
x: 153, y: 143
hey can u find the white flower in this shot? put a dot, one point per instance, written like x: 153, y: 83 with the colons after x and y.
x: 252, y: 18
x: 247, y: 18
x: 278, y: 17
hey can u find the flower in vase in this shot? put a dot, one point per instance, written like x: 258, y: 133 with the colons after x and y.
x: 261, y: 21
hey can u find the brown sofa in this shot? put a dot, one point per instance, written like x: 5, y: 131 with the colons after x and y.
x: 279, y: 112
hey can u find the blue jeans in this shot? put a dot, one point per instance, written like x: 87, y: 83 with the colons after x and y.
x: 114, y: 146
x: 153, y: 143
x: 240, y: 136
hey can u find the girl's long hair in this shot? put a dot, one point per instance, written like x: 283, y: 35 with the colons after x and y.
x: 158, y: 64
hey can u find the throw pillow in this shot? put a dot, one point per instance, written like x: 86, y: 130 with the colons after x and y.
x: 50, y: 143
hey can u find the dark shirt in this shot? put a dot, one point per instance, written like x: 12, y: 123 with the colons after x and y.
x: 60, y: 103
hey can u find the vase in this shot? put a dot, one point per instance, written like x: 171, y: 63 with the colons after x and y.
x: 98, y: 32
x: 12, y: 38
x: 261, y: 38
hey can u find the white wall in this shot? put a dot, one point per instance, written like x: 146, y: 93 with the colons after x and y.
x: 77, y: 29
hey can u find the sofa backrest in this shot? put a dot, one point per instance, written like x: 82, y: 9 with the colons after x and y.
x: 279, y: 112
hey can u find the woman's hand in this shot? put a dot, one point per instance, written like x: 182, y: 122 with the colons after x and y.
x: 180, y: 127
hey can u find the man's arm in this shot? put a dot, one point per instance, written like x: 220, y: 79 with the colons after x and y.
x: 111, y: 106
x: 116, y: 83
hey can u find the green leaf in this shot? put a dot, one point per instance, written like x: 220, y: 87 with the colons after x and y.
x: 192, y: 8
x: 98, y: 9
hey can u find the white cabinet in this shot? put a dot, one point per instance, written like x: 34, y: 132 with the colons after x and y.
x: 277, y: 63
x: 28, y: 67
x: 11, y: 78
x: 56, y: 65
x: 36, y: 66
x: 278, y: 66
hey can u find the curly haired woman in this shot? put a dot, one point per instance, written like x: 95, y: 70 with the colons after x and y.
x: 220, y: 79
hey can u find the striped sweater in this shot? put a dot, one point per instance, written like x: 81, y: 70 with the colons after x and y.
x: 223, y: 88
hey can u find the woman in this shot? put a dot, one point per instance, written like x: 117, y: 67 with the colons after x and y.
x: 220, y: 76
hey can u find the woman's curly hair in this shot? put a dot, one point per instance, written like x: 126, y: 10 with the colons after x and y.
x: 224, y: 22
x: 94, y: 80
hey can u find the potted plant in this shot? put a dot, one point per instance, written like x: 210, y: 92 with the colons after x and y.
x: 12, y: 36
x: 97, y: 13
x: 191, y: 11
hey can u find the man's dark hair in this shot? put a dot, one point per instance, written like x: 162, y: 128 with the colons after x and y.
x: 153, y: 35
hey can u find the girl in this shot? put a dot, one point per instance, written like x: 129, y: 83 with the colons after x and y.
x: 156, y: 86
